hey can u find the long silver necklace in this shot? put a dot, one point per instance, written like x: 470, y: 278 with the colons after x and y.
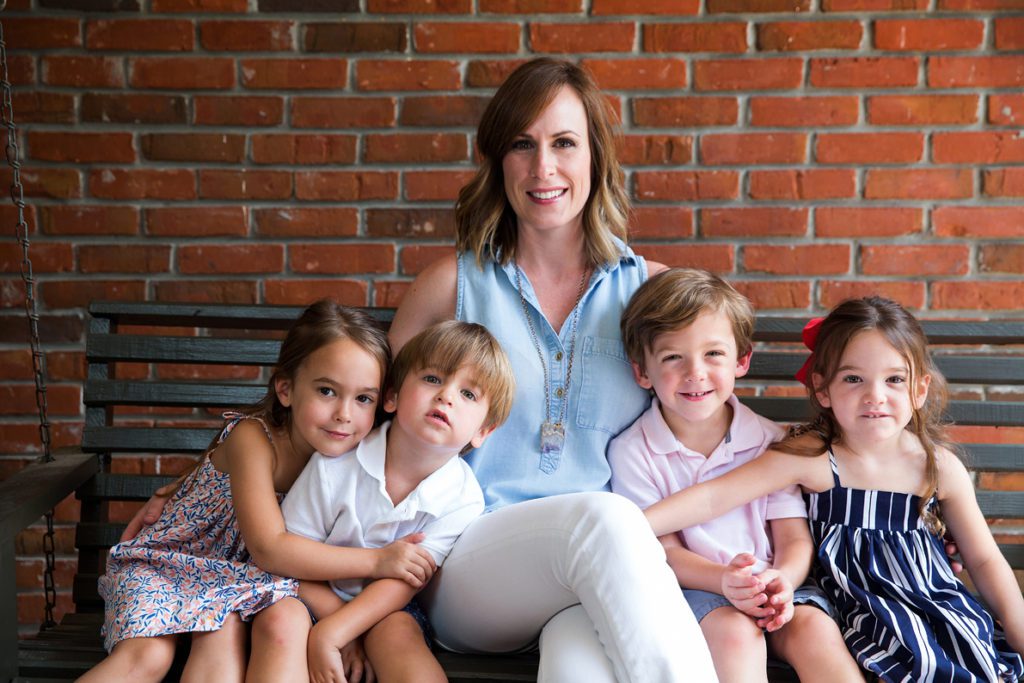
x: 552, y: 433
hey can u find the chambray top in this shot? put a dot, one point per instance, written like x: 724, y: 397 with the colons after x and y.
x: 602, y: 401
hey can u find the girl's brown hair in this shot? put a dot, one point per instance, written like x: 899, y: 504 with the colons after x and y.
x: 322, y: 322
x: 485, y: 223
x: 904, y: 333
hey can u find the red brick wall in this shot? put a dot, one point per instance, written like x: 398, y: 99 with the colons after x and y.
x: 279, y: 150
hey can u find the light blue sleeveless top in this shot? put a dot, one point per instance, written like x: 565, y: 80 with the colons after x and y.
x: 603, y: 399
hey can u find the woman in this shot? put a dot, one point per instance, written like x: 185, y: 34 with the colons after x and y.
x: 542, y: 263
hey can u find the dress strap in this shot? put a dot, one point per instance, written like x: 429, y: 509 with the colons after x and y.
x: 835, y: 468
x: 232, y: 418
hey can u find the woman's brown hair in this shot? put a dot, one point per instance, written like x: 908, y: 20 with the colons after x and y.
x: 485, y: 223
x: 904, y: 333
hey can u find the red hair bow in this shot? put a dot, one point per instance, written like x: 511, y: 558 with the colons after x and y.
x: 810, y: 337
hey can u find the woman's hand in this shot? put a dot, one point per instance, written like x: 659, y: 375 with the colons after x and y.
x: 149, y: 512
x: 406, y: 561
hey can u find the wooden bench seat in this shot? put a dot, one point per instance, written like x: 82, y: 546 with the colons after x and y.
x: 140, y: 401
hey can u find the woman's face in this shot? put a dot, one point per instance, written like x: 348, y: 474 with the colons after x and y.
x: 547, y: 167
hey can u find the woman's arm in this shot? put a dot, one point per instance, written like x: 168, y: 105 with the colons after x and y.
x: 250, y: 463
x: 703, y: 502
x: 988, y: 568
x: 430, y: 299
x: 653, y: 268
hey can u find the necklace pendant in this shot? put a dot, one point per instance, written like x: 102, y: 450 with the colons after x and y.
x: 552, y: 438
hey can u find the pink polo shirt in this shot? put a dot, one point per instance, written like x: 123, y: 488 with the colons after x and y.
x: 649, y: 463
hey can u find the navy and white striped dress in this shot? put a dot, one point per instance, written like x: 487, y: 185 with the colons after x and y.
x: 904, y: 615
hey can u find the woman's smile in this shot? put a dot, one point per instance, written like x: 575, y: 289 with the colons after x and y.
x: 547, y: 167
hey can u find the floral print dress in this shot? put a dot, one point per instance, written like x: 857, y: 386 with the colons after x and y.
x: 189, y: 570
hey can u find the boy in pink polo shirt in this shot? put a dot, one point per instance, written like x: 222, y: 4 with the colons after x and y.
x: 688, y: 334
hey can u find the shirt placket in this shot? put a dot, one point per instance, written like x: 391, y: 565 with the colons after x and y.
x: 557, y: 360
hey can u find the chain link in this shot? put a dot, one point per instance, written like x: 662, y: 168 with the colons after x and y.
x: 27, y: 276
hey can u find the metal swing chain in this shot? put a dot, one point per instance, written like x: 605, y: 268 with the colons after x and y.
x: 38, y: 360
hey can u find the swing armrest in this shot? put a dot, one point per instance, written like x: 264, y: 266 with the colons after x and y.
x: 29, y: 493
x: 24, y: 497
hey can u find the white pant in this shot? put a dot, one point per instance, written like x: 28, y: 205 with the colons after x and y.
x: 516, y: 570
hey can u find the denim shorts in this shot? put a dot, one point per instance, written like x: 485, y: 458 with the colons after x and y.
x: 703, y: 602
x: 414, y: 610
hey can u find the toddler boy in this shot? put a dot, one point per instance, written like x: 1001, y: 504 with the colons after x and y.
x: 449, y: 387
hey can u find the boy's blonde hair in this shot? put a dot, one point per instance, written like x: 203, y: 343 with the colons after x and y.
x: 449, y: 345
x: 673, y: 299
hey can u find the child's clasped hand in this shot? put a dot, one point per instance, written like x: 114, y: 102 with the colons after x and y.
x: 406, y: 561
x: 766, y: 597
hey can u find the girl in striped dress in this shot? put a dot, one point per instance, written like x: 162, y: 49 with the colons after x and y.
x: 882, y: 486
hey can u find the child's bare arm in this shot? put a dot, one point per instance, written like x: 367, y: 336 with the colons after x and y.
x: 703, y: 502
x: 250, y: 459
x: 691, y: 570
x: 320, y: 598
x: 988, y: 568
x: 794, y: 553
x: 793, y: 548
x: 337, y: 630
x: 735, y: 581
x: 151, y: 510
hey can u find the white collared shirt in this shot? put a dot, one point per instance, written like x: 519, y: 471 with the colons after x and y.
x: 343, y: 501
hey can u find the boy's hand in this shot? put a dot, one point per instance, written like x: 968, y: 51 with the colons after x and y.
x: 324, y: 658
x: 745, y: 591
x: 780, y: 600
x: 357, y: 665
x: 405, y: 561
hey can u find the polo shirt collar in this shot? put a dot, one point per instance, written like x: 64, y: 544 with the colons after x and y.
x: 431, y: 495
x: 744, y: 432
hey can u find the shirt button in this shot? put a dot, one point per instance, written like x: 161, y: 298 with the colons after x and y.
x: 559, y: 393
x: 558, y: 356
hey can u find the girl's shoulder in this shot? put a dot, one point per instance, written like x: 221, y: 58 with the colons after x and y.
x: 807, y: 467
x: 247, y: 422
x: 248, y: 436
x: 953, y: 475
